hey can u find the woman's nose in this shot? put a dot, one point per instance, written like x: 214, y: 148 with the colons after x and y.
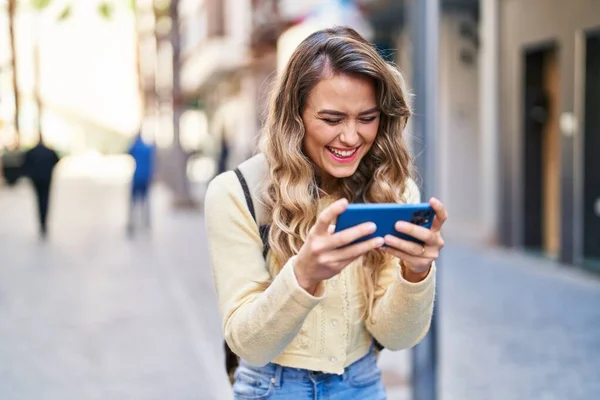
x: 350, y: 136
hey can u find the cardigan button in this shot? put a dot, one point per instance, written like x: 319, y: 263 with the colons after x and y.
x: 332, y: 360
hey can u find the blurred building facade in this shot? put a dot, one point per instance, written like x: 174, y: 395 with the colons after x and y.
x: 231, y: 54
x: 517, y: 99
x: 226, y: 62
x: 518, y: 120
x: 548, y: 125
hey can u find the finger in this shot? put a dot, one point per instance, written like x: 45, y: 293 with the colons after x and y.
x: 408, y: 247
x: 441, y: 215
x: 328, y: 215
x: 331, y: 229
x: 401, y: 254
x: 409, y: 260
x: 356, y: 250
x: 418, y: 232
x: 349, y: 235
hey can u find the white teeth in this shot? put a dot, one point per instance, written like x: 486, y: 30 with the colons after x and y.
x: 340, y: 153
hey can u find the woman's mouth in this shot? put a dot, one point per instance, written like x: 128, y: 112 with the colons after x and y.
x: 342, y: 155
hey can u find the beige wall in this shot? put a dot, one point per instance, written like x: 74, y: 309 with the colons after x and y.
x: 529, y: 24
x: 459, y: 166
x: 459, y: 163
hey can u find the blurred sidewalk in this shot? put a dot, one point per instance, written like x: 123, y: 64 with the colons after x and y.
x: 91, y: 314
x: 517, y: 327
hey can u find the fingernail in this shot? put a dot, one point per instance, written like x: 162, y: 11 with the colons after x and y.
x: 372, y: 227
x: 400, y: 224
x: 379, y: 242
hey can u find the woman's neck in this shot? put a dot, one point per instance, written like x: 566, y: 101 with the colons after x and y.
x: 329, y: 187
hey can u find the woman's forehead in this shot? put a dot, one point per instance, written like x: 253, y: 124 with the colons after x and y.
x: 344, y: 93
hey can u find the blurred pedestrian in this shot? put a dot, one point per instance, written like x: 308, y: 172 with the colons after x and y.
x: 12, y: 164
x: 302, y: 306
x: 143, y: 155
x: 223, y: 158
x: 39, y: 163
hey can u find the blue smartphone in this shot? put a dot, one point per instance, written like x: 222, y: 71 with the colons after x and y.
x: 385, y: 216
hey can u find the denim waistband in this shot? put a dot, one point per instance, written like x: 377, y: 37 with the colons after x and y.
x: 277, y: 372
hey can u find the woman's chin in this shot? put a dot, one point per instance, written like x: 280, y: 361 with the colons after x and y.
x: 340, y: 172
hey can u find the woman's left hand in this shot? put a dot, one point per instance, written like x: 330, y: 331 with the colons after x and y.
x: 418, y: 258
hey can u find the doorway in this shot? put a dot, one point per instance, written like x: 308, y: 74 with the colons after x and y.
x: 541, y: 217
x: 591, y: 172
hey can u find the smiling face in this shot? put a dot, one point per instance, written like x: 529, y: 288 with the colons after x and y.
x: 341, y: 120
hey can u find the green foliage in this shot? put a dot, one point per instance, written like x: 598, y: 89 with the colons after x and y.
x: 106, y: 9
x: 40, y: 4
x: 65, y: 13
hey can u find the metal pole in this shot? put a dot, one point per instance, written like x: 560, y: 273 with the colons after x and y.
x: 424, y: 31
x: 488, y: 90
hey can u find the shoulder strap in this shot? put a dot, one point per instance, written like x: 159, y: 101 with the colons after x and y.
x: 263, y: 229
x: 246, y: 190
x: 264, y: 235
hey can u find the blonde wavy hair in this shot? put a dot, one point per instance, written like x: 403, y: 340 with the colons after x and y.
x: 292, y: 192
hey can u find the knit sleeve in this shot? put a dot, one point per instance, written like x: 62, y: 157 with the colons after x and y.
x: 259, y: 321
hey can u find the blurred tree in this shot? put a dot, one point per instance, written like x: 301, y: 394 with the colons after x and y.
x: 12, y: 11
x: 106, y: 10
x: 133, y: 5
x: 181, y: 187
x: 177, y: 178
x: 38, y: 6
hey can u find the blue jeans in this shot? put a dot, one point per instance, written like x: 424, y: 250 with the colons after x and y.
x: 361, y: 380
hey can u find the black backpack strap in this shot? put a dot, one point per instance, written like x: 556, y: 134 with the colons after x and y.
x: 263, y: 229
x: 264, y: 235
x: 246, y: 190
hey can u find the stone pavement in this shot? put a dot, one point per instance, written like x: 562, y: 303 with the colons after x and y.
x: 91, y: 314
x: 517, y: 327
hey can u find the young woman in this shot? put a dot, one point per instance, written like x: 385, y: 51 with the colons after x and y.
x: 303, y: 315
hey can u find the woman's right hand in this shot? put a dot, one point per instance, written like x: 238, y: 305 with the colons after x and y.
x: 323, y: 255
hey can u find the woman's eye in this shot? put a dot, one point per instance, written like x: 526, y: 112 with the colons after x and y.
x: 332, y: 121
x: 367, y: 120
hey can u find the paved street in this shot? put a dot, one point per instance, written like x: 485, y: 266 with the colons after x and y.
x: 91, y: 314
x: 516, y: 327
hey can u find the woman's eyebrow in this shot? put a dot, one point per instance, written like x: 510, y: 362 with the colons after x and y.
x: 342, y: 114
x: 332, y: 112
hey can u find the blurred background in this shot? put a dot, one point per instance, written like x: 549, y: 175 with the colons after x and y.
x: 112, y: 298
